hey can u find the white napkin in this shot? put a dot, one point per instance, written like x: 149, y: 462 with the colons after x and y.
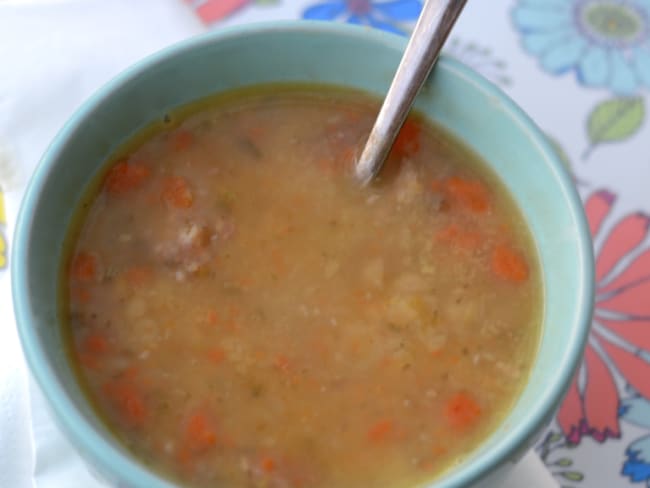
x: 54, y: 55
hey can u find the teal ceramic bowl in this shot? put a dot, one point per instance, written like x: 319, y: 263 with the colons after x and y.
x: 459, y: 99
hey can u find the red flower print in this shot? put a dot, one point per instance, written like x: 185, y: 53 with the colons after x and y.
x: 213, y: 10
x: 619, y: 343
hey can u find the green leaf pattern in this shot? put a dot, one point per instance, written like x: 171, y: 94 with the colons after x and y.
x: 615, y: 120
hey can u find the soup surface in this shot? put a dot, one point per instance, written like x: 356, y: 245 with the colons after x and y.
x: 243, y: 314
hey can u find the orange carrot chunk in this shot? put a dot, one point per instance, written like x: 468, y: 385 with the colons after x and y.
x: 282, y: 363
x: 509, y: 265
x: 213, y: 317
x: 216, y: 355
x: 408, y: 139
x: 268, y: 464
x: 438, y: 451
x: 124, y: 177
x: 346, y: 156
x: 138, y: 275
x: 472, y: 195
x: 462, y: 411
x: 95, y: 343
x: 380, y: 431
x: 199, y: 434
x: 177, y: 193
x: 127, y: 400
x: 256, y: 132
x: 84, y: 267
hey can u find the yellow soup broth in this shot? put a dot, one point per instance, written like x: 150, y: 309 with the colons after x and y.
x: 243, y: 314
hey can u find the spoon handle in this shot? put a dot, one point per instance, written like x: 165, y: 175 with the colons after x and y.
x: 436, y: 20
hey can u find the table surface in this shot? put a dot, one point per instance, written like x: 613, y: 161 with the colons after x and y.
x: 580, y: 68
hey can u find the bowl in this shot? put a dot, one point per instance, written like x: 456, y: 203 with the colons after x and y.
x: 454, y: 96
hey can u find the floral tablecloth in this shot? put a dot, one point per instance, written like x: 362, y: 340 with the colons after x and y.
x: 581, y: 69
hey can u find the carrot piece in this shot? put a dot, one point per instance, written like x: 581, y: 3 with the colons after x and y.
x: 84, y: 267
x: 216, y: 355
x: 439, y: 451
x: 347, y: 156
x: 407, y: 142
x: 95, y: 343
x: 138, y: 275
x: 199, y: 433
x: 282, y: 363
x: 509, y: 265
x: 125, y: 176
x: 380, y: 431
x: 177, y: 193
x: 462, y: 411
x: 453, y: 234
x: 470, y: 194
x: 213, y: 317
x: 127, y: 400
x: 181, y: 140
x: 268, y: 464
x: 256, y: 132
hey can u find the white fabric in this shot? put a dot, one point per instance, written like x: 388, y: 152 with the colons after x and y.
x: 54, y: 55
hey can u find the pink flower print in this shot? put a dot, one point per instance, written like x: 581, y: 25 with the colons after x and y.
x: 214, y: 10
x: 619, y: 343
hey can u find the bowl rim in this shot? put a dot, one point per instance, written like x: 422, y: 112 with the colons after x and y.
x: 92, y: 446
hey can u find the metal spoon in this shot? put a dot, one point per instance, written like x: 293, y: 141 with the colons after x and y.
x: 435, y: 22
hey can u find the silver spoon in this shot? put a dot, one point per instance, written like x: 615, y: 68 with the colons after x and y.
x: 436, y: 20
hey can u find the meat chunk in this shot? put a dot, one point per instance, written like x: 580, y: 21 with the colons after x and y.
x: 188, y: 248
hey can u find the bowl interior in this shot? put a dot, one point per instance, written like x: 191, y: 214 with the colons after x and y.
x: 468, y: 106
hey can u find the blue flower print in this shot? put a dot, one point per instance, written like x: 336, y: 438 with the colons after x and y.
x: 606, y: 42
x: 385, y: 15
x: 636, y: 410
x: 637, y: 466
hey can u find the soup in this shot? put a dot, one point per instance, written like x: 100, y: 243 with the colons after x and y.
x: 242, y: 313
